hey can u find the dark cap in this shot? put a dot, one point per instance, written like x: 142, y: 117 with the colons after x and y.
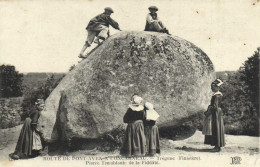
x: 153, y: 7
x: 109, y: 9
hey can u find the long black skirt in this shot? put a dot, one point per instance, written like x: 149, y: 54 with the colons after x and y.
x: 218, y: 132
x: 25, y: 141
x: 134, y: 142
x: 152, y: 139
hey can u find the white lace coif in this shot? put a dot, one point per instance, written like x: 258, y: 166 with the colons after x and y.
x: 137, y: 104
x: 151, y: 114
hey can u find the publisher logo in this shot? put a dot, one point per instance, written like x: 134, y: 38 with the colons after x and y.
x: 235, y: 160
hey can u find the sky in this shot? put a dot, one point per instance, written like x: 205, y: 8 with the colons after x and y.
x: 47, y: 36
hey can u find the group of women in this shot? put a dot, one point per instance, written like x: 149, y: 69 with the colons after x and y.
x: 141, y: 135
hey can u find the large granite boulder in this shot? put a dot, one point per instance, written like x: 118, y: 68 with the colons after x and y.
x: 92, y: 99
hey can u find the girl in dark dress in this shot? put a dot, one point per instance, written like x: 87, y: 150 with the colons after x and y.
x: 28, y: 144
x: 151, y: 130
x: 134, y: 143
x: 217, y: 138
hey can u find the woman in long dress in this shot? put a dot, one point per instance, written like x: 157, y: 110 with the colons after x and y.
x: 217, y: 137
x: 151, y: 130
x: 134, y: 143
x: 29, y: 142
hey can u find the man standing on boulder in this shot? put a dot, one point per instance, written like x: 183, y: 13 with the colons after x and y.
x: 153, y: 23
x: 98, y: 27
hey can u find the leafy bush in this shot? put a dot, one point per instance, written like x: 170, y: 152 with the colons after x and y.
x: 113, y: 140
x: 42, y: 92
x: 10, y: 110
x: 240, y: 103
x: 250, y: 77
x: 10, y: 81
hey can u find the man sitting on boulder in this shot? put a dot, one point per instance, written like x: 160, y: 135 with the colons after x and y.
x: 153, y: 23
x: 98, y: 27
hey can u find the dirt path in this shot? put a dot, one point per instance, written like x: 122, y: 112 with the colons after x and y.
x: 190, y: 151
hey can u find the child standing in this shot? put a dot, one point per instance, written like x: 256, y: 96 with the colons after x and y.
x: 151, y: 130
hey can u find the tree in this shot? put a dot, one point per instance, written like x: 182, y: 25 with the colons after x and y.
x: 10, y: 81
x: 241, y: 96
x: 250, y: 76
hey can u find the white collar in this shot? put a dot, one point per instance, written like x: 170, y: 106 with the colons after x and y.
x: 136, y: 107
x: 152, y: 115
x: 218, y: 93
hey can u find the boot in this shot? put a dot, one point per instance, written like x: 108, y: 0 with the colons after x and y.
x: 14, y: 156
x: 166, y: 31
x: 216, y: 149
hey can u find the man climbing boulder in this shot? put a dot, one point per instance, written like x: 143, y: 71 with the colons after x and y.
x: 98, y: 27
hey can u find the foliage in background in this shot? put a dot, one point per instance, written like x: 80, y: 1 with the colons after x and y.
x: 240, y: 103
x: 36, y: 87
x: 31, y: 81
x: 10, y: 111
x: 10, y: 81
x: 42, y: 92
x: 250, y: 76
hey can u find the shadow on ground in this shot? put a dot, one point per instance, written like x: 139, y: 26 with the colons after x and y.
x: 66, y: 147
x: 177, y: 133
x: 190, y: 149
